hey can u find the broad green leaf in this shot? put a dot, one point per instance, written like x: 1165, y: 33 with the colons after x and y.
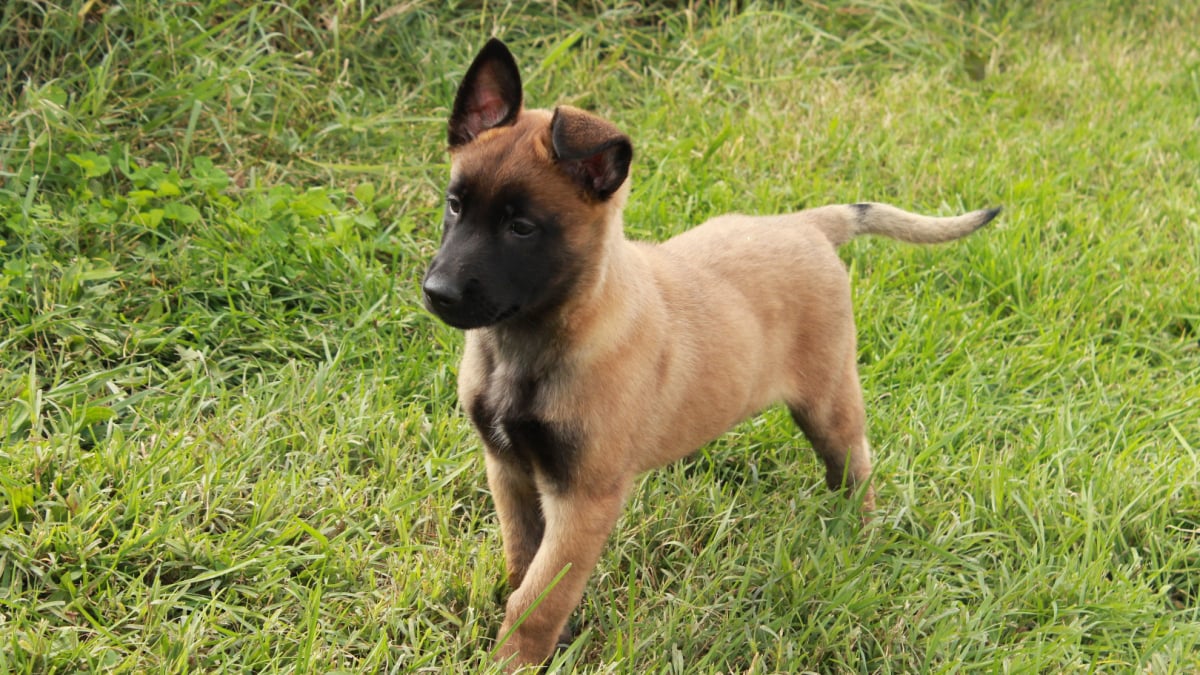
x: 181, y: 212
x: 93, y: 165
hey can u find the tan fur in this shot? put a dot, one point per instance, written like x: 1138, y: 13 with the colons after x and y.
x: 658, y: 350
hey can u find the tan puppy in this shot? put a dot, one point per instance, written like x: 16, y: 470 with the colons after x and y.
x: 590, y: 359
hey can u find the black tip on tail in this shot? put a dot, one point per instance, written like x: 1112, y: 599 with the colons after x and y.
x: 860, y: 211
x: 991, y: 215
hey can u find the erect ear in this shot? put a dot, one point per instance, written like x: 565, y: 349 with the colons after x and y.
x: 592, y: 151
x: 489, y: 96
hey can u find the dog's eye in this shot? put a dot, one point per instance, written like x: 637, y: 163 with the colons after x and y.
x: 522, y: 228
x: 453, y: 205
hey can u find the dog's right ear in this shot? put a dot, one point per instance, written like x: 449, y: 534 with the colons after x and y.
x: 489, y: 96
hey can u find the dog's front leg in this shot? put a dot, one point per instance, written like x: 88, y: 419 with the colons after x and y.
x: 578, y: 522
x: 520, y: 513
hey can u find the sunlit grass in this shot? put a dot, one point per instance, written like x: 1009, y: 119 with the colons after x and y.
x: 228, y: 433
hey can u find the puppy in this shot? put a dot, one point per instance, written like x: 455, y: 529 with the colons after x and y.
x: 590, y: 358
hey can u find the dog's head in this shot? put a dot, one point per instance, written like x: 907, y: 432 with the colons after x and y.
x: 532, y: 200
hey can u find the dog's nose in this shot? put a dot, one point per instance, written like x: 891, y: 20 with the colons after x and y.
x: 441, y: 292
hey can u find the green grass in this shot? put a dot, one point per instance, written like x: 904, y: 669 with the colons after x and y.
x: 228, y: 432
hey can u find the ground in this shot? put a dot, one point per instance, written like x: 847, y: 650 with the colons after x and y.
x: 229, y: 438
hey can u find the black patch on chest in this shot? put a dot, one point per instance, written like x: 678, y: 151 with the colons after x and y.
x: 518, y: 435
x: 549, y: 447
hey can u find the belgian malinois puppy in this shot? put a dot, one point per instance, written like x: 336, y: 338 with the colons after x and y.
x: 590, y: 358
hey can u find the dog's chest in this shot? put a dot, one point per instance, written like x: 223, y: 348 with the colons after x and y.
x: 508, y: 411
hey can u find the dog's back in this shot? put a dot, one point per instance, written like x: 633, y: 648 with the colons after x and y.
x: 764, y: 302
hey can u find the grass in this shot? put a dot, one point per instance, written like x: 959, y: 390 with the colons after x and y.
x: 228, y: 433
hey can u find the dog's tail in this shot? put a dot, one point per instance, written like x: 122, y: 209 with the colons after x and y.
x: 843, y: 222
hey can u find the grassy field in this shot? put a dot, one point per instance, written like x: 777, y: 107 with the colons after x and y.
x: 229, y: 439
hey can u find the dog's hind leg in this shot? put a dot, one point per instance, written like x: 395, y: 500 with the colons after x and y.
x: 834, y: 422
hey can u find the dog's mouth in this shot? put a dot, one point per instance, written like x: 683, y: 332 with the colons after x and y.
x: 474, y: 317
x: 506, y: 314
x: 466, y: 305
x: 472, y: 322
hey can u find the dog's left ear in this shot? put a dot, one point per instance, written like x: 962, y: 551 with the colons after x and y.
x: 489, y: 96
x: 592, y: 151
